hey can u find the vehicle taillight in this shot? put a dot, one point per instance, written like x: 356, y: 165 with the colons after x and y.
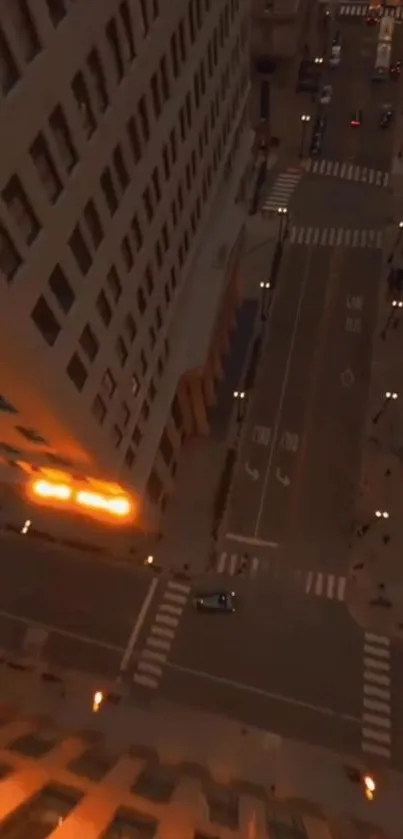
x: 355, y: 122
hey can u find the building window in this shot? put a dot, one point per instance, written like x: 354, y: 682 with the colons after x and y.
x: 144, y: 17
x: 9, y: 73
x: 164, y: 78
x: 134, y: 139
x: 153, y: 336
x: 103, y: 308
x: 77, y: 372
x: 108, y: 384
x: 138, y: 236
x: 80, y: 251
x: 166, y: 449
x: 149, y: 279
x: 152, y: 391
x: 6, y: 407
x: 10, y: 259
x: 63, y: 139
x: 130, y: 327
x: 98, y: 409
x: 121, y: 351
x: 141, y: 301
x: 108, y: 190
x: 166, y: 163
x: 89, y: 343
x: 98, y: 77
x: 143, y: 115
x: 120, y: 168
x: 155, y: 93
x: 20, y: 209
x: 165, y: 237
x: 148, y: 205
x: 57, y: 11
x: 137, y: 436
x: 127, y: 253
x: 129, y: 457
x: 93, y: 223
x: 174, y: 56
x: 124, y: 414
x: 156, y: 184
x: 143, y: 362
x: 116, y: 436
x: 25, y: 29
x: 154, y: 487
x: 83, y: 102
x: 112, y: 37
x: 114, y: 284
x: 127, y: 23
x: 45, y: 167
x: 45, y: 321
x: 31, y: 435
x: 61, y: 289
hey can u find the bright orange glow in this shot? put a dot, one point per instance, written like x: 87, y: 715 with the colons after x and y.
x: 45, y: 489
x: 369, y: 787
x: 116, y: 506
x: 97, y: 701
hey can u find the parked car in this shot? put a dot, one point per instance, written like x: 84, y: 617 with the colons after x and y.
x: 216, y: 601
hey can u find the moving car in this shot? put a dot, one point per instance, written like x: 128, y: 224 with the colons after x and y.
x: 395, y: 70
x: 325, y: 94
x: 216, y: 601
x: 356, y: 118
x: 386, y: 116
x: 318, y: 134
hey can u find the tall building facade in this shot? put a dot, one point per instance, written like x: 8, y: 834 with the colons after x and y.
x: 124, y: 148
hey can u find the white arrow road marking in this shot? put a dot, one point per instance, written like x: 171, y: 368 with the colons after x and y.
x: 284, y: 479
x: 253, y: 473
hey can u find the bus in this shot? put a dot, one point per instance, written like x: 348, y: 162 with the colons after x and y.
x: 382, y: 62
x: 386, y: 28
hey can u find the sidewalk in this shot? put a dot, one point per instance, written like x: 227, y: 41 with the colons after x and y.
x: 188, y: 522
x: 375, y: 586
x: 310, y: 784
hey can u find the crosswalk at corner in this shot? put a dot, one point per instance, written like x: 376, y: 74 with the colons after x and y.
x: 347, y: 172
x: 161, y: 636
x: 354, y: 10
x: 282, y: 190
x: 325, y: 585
x: 336, y: 237
x: 376, y: 711
x: 314, y: 583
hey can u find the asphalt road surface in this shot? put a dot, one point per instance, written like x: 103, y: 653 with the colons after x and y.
x: 87, y: 606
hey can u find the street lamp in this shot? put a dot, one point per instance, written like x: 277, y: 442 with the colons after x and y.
x: 282, y: 212
x: 305, y: 120
x: 390, y: 396
x: 265, y: 288
x: 396, y: 305
x: 378, y: 516
x: 240, y: 396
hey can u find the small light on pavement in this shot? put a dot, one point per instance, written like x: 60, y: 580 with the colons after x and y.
x: 381, y: 514
x: 369, y: 787
x: 390, y: 394
x: 401, y: 225
x: 149, y: 560
x: 97, y: 701
x: 25, y: 527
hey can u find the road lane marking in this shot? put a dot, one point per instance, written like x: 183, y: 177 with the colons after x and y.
x: 151, y: 663
x: 341, y: 588
x: 171, y: 610
x: 372, y: 748
x: 376, y: 683
x: 75, y: 636
x: 233, y: 560
x: 375, y: 664
x: 379, y: 639
x: 370, y: 676
x: 319, y: 584
x: 370, y: 690
x: 372, y: 705
x: 380, y: 736
x: 151, y: 655
x: 161, y: 631
x: 166, y: 621
x: 309, y: 582
x: 145, y: 681
x: 179, y: 587
x: 221, y: 563
x: 149, y: 669
x: 378, y: 652
x: 174, y: 597
x: 160, y: 645
x: 251, y: 540
x: 283, y: 392
x: 328, y: 712
x: 138, y: 624
x: 330, y: 586
x: 379, y: 721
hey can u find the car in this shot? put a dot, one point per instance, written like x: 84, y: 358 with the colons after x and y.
x: 395, y: 70
x: 326, y: 94
x: 318, y: 134
x: 308, y: 75
x: 372, y: 18
x: 386, y: 116
x: 356, y: 118
x: 335, y: 56
x: 216, y: 601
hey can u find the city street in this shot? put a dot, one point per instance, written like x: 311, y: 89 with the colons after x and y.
x: 87, y: 606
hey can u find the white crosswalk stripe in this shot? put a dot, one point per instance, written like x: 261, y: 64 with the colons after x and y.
x: 283, y: 188
x: 361, y: 10
x: 335, y: 237
x: 348, y: 171
x: 162, y: 633
x: 232, y: 564
x: 376, y: 711
x: 325, y: 585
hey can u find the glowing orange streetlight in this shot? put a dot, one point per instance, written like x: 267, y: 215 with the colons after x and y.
x: 97, y: 701
x: 369, y: 787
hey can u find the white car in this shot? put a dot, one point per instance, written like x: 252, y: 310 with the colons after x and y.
x: 335, y: 56
x: 325, y: 95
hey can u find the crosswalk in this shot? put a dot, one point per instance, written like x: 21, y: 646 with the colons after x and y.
x: 317, y: 583
x: 161, y: 636
x: 283, y: 188
x: 348, y: 171
x: 361, y: 10
x: 335, y: 237
x: 376, y: 713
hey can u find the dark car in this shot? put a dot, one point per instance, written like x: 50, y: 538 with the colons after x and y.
x: 386, y: 116
x: 395, y: 70
x: 216, y: 601
x: 356, y: 118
